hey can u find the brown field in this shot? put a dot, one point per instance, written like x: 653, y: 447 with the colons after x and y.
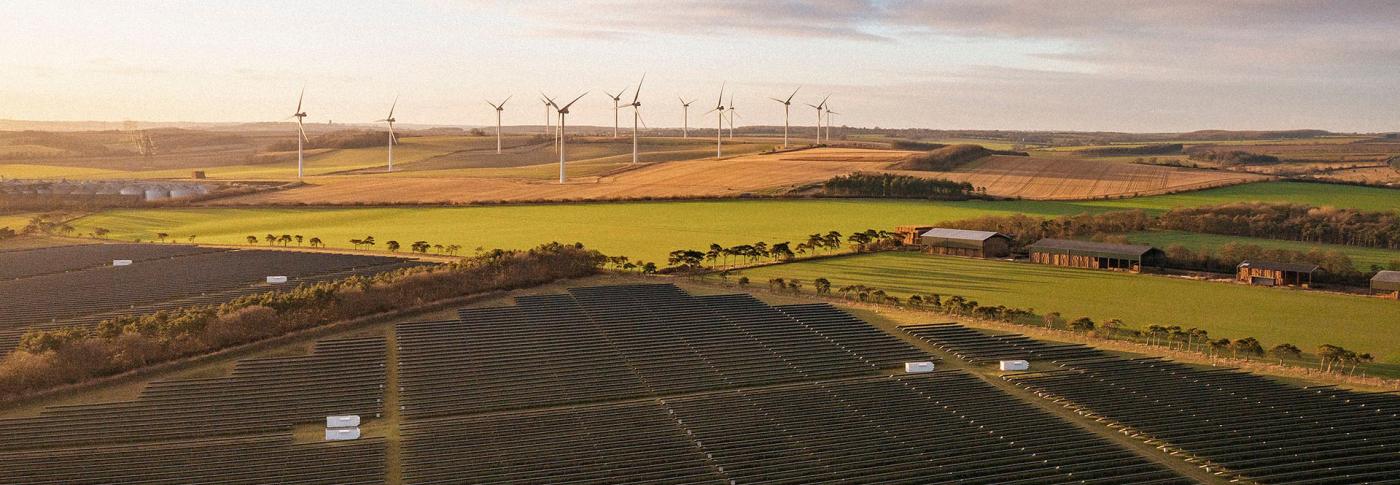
x: 1067, y: 178
x: 690, y: 178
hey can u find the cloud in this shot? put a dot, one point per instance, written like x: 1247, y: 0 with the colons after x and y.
x: 842, y: 19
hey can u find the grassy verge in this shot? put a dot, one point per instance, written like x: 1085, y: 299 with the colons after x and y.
x: 1272, y: 315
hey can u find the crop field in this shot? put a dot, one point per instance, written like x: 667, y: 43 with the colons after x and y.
x: 601, y: 179
x: 1272, y: 315
x: 1055, y: 178
x: 650, y: 230
x: 1362, y: 258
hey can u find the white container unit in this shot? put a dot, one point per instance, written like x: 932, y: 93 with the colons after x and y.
x: 918, y: 367
x: 347, y: 421
x: 121, y: 262
x: 276, y: 280
x: 342, y: 434
x: 1015, y: 365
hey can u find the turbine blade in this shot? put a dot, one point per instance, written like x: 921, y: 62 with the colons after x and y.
x: 503, y: 103
x: 710, y: 111
x: 778, y: 100
x: 824, y: 100
x: 571, y: 103
x: 794, y: 93
x: 640, y: 118
x: 392, y: 138
x: 300, y: 97
x: 493, y: 105
x: 720, y: 102
x: 302, y: 131
x: 549, y: 100
x: 638, y: 91
x: 391, y: 107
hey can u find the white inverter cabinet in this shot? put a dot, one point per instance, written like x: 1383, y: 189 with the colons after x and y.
x: 1015, y: 365
x: 918, y: 367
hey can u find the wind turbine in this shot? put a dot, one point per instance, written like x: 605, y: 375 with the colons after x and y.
x: 548, y: 106
x: 636, y: 115
x: 499, y: 108
x: 390, y: 119
x: 301, y: 132
x: 562, y: 113
x: 685, y: 126
x: 548, y: 113
x: 819, y: 117
x: 829, y: 112
x: 617, y: 98
x: 732, y: 114
x: 719, y: 129
x: 787, y: 111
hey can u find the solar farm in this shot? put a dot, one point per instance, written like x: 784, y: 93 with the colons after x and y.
x: 649, y: 383
x: 81, y: 285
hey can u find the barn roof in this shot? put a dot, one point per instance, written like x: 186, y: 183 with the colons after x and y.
x: 1271, y: 266
x: 963, y: 234
x: 1091, y: 248
x: 1386, y: 280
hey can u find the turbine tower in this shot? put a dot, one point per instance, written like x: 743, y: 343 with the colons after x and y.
x: 550, y: 106
x: 719, y: 127
x: 829, y: 112
x: 636, y: 114
x: 732, y: 114
x: 617, y: 98
x: 787, y: 111
x: 819, y: 117
x: 390, y: 119
x: 301, y: 131
x: 499, y: 108
x: 685, y: 125
x: 564, y: 111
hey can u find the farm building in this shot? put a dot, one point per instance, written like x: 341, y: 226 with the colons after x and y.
x: 1263, y: 273
x: 962, y: 242
x: 1386, y: 283
x: 1095, y: 255
x: 909, y: 235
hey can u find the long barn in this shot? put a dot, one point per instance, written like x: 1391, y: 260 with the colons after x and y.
x: 1095, y: 255
x: 1264, y: 273
x: 1386, y: 283
x: 963, y: 242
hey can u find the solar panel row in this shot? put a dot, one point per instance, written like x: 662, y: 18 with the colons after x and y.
x: 934, y: 428
x: 977, y: 347
x: 617, y: 342
x: 1237, y: 423
x: 216, y: 461
x: 1264, y: 430
x: 262, y: 395
x: 181, y: 278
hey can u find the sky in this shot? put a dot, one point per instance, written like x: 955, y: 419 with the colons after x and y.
x: 1087, y: 65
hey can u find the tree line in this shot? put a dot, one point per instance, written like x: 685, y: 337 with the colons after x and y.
x: 863, y: 184
x: 50, y: 358
x: 1297, y: 222
x: 690, y: 260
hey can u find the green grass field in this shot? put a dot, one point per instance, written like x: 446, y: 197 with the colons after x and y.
x: 647, y: 230
x: 1273, y: 315
x: 1361, y: 258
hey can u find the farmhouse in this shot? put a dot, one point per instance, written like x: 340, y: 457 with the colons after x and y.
x: 1386, y: 283
x: 1263, y: 273
x: 962, y: 242
x: 1095, y: 255
x: 909, y: 235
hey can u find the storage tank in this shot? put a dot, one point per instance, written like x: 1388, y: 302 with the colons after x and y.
x: 346, y: 421
x: 182, y: 193
x: 342, y: 434
x: 276, y: 280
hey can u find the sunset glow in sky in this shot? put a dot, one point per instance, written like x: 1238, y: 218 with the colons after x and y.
x: 1090, y: 65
